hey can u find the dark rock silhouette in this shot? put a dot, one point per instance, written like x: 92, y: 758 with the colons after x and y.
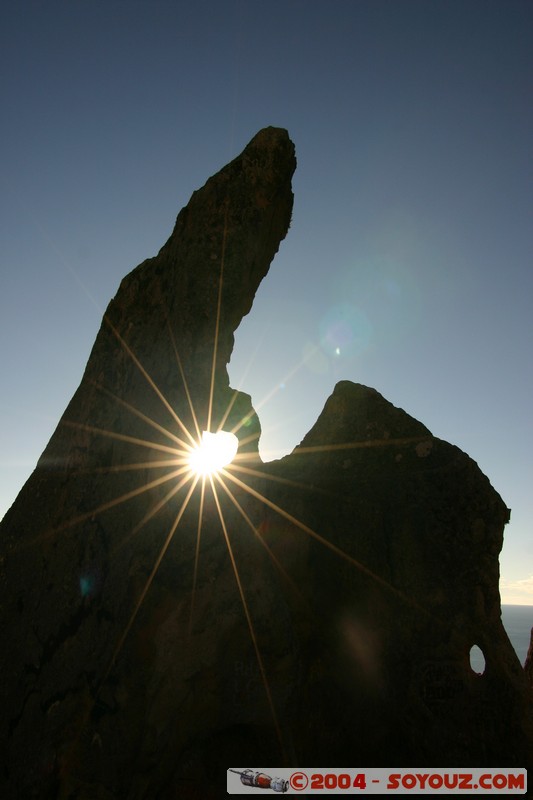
x: 327, y: 610
x: 528, y: 666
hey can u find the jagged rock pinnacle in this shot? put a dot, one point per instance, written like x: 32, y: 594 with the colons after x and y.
x: 71, y: 556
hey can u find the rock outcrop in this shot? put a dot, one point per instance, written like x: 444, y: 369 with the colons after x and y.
x: 528, y: 666
x: 316, y: 609
x: 403, y: 582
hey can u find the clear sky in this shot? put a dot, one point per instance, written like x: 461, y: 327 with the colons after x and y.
x: 408, y: 266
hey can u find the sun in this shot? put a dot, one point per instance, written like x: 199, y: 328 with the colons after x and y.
x: 215, y: 451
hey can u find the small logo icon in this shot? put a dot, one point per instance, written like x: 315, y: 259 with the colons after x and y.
x: 261, y: 781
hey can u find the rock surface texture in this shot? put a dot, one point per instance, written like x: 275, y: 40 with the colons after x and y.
x: 318, y: 609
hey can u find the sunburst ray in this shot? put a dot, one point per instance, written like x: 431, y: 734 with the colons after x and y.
x: 249, y: 621
x: 285, y: 379
x: 138, y: 413
x: 326, y: 543
x: 268, y: 549
x: 149, y: 581
x: 157, y: 507
x: 124, y: 437
x: 183, y: 378
x: 358, y: 445
x: 105, y: 507
x: 197, y: 553
x: 148, y: 378
x: 228, y: 410
x: 256, y: 473
x: 217, y: 319
x: 134, y: 466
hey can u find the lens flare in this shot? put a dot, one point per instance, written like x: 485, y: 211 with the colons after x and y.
x: 215, y: 451
x: 345, y: 331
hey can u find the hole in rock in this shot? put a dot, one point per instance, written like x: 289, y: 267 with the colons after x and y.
x: 477, y: 660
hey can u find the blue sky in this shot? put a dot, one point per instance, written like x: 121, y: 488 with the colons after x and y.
x: 408, y: 263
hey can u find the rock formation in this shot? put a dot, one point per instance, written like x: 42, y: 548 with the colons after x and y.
x: 528, y: 666
x: 319, y: 609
